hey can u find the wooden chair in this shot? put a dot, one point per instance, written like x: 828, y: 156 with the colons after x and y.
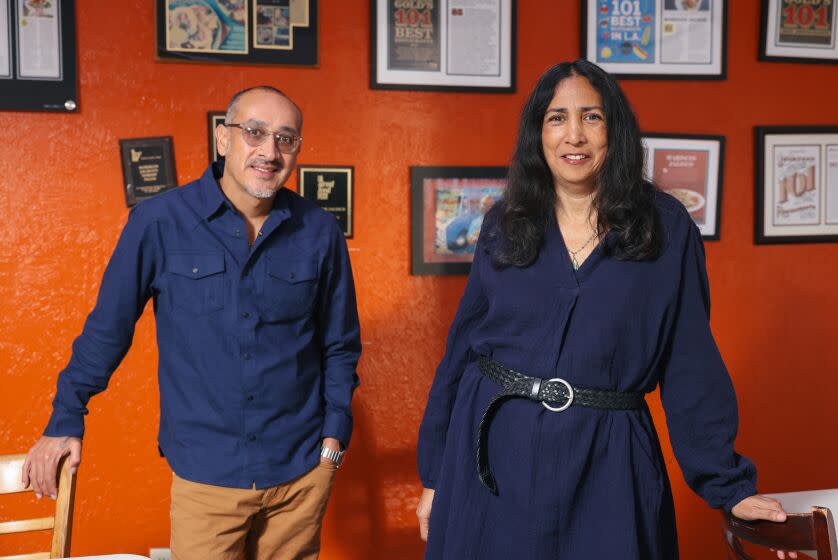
x: 813, y: 533
x: 61, y: 523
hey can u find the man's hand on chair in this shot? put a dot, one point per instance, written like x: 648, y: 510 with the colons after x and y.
x: 761, y: 507
x: 40, y: 469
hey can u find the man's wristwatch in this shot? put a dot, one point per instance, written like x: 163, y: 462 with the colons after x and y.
x: 334, y: 456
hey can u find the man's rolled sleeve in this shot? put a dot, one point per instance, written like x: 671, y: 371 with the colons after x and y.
x: 340, y: 340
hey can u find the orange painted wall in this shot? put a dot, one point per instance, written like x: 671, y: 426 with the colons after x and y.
x: 61, y: 210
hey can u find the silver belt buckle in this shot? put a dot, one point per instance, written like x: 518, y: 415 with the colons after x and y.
x: 569, y: 402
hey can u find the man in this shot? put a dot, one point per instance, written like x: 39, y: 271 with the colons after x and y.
x: 258, y: 338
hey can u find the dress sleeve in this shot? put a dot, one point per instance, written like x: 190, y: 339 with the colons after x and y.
x: 698, y: 395
x: 434, y: 427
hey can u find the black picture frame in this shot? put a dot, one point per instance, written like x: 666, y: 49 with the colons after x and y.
x: 338, y: 199
x: 148, y: 167
x: 295, y: 43
x: 803, y: 192
x: 796, y: 48
x: 664, y: 71
x: 437, y: 81
x: 437, y: 251
x: 214, y: 118
x: 45, y: 92
x: 706, y: 207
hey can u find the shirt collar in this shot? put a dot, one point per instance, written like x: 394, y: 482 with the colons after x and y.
x: 213, y: 197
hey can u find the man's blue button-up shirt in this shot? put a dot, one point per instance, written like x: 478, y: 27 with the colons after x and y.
x: 258, y: 344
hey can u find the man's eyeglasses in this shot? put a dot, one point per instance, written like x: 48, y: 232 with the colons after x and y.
x: 254, y: 136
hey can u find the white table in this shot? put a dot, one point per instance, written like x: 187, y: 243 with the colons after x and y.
x: 109, y: 557
x: 803, y: 502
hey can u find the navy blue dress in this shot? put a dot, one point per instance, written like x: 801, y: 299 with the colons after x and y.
x: 582, y: 483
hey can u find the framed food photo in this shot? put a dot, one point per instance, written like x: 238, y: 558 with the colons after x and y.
x: 447, y: 206
x: 238, y: 31
x: 443, y: 45
x: 796, y: 184
x: 689, y: 167
x: 798, y: 31
x: 657, y: 39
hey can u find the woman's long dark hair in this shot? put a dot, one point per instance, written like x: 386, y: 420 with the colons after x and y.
x: 625, y: 201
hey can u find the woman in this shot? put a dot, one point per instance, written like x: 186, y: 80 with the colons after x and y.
x: 583, y: 272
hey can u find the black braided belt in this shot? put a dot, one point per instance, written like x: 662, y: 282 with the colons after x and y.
x: 555, y: 394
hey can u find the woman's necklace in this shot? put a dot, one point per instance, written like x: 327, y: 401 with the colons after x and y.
x: 577, y: 251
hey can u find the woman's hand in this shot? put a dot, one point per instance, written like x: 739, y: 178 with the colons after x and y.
x: 423, y: 511
x: 761, y: 507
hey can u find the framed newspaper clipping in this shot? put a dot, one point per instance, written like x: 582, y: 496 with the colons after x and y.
x: 690, y: 168
x: 657, y: 39
x: 331, y: 188
x: 798, y: 31
x: 245, y: 31
x: 443, y: 45
x: 796, y: 184
x: 447, y: 205
x: 38, y: 55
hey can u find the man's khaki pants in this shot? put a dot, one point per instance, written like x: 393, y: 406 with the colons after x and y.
x: 281, y: 522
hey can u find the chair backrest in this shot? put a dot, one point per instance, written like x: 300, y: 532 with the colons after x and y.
x: 801, y: 531
x: 61, y: 523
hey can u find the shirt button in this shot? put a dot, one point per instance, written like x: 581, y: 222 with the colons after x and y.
x: 195, y: 270
x: 245, y: 315
x: 260, y: 234
x: 238, y: 233
x: 250, y: 398
x: 246, y: 355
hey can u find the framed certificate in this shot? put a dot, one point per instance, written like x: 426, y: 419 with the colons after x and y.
x: 214, y: 118
x: 795, y: 31
x: 447, y: 205
x: 657, y: 39
x: 689, y: 167
x: 38, y: 55
x: 148, y: 167
x: 331, y: 188
x: 247, y: 31
x: 796, y: 184
x: 443, y: 45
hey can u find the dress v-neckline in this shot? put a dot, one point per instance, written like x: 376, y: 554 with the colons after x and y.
x: 580, y: 274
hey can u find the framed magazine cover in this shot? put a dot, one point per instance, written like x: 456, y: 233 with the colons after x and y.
x: 656, y: 39
x: 796, y: 184
x: 447, y: 205
x: 795, y: 31
x: 443, y: 45
x: 690, y: 168
x: 237, y: 31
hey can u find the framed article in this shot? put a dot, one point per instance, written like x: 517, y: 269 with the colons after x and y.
x: 38, y: 55
x: 214, y: 118
x: 796, y: 184
x: 657, y: 39
x: 246, y: 31
x: 795, y: 31
x: 689, y: 167
x: 443, y: 45
x: 447, y: 205
x: 331, y: 188
x: 148, y: 167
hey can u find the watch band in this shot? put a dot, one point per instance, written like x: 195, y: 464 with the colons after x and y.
x: 334, y: 456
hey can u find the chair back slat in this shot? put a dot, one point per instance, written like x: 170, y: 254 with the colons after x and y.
x: 25, y: 525
x: 33, y: 556
x: 10, y: 466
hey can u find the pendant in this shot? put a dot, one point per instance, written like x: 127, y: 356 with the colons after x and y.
x: 575, y: 263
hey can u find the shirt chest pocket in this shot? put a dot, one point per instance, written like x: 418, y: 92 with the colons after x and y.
x: 290, y: 289
x: 196, y: 281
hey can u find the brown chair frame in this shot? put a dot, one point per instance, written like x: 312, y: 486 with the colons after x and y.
x: 61, y: 523
x: 800, y: 531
